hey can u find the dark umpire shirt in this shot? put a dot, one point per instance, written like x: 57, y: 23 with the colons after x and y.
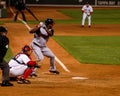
x: 20, y: 6
x: 4, y: 42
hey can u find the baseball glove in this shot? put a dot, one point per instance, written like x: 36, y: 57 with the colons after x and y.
x: 88, y: 15
x: 38, y: 64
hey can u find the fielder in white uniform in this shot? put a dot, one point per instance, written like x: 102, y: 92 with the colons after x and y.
x: 42, y: 33
x: 22, y: 65
x: 87, y: 10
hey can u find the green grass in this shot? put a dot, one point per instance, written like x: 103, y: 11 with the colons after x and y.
x: 1, y: 23
x: 99, y: 16
x: 8, y: 55
x: 88, y: 49
x: 92, y: 49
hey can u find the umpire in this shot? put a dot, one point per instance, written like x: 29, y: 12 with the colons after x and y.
x: 4, y: 42
x: 20, y: 7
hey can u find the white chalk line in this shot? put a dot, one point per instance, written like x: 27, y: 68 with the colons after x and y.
x: 20, y: 19
x: 79, y: 78
x: 61, y: 64
x: 57, y: 60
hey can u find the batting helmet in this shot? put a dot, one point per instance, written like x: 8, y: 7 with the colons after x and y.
x: 3, y: 29
x: 49, y: 21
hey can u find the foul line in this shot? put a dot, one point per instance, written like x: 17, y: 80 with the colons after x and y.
x: 62, y: 65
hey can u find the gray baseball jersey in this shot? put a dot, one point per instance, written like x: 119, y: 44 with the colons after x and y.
x: 40, y: 49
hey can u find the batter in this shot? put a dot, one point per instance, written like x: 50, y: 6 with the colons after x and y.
x: 41, y: 37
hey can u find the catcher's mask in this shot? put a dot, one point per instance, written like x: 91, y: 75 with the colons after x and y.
x: 49, y: 21
x: 27, y: 50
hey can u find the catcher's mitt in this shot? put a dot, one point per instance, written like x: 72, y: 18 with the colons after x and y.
x: 38, y: 64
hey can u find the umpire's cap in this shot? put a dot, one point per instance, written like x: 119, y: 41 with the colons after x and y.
x: 49, y: 21
x: 2, y: 29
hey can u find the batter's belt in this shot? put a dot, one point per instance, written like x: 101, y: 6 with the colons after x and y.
x: 38, y: 45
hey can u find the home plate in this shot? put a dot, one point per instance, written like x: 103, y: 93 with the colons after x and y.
x: 80, y: 78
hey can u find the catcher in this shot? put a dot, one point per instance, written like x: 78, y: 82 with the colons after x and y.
x: 22, y: 66
x: 42, y: 33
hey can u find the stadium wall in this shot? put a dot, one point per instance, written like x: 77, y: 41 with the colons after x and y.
x: 71, y: 2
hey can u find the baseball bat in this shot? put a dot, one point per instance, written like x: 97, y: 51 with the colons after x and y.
x: 28, y: 9
x: 28, y: 27
x: 62, y: 65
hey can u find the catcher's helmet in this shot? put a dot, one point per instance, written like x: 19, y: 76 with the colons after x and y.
x: 3, y: 29
x: 49, y: 21
x: 26, y: 48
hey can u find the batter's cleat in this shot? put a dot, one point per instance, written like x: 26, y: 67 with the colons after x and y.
x: 89, y: 26
x: 6, y: 83
x: 23, y: 81
x: 54, y: 72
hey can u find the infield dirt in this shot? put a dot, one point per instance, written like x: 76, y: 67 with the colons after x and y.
x: 103, y: 80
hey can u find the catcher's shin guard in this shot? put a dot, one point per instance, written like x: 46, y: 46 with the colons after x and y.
x: 27, y: 72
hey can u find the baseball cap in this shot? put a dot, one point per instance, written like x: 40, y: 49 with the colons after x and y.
x: 3, y: 29
x: 87, y: 3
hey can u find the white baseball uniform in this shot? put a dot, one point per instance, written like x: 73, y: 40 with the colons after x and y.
x: 87, y: 10
x: 18, y: 64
